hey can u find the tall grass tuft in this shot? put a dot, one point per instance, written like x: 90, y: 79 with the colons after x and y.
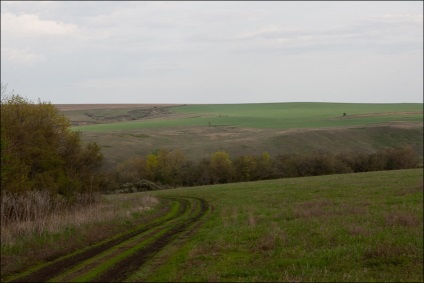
x: 36, y: 213
x: 28, y: 206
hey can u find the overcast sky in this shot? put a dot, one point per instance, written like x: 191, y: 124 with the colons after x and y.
x: 213, y: 52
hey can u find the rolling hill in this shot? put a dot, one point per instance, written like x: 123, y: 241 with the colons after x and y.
x: 125, y: 130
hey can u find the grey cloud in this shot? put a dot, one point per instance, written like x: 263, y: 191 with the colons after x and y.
x: 206, y: 51
x: 399, y: 33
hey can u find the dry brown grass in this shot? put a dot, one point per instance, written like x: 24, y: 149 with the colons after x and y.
x: 270, y: 240
x: 36, y: 213
x: 312, y: 208
x: 267, y: 242
x: 60, y: 232
x: 121, y: 145
x: 410, y: 190
x: 28, y: 206
x: 327, y: 208
x: 230, y: 217
x: 404, y: 219
x: 389, y: 254
x: 353, y: 209
x: 357, y: 230
x: 214, y: 278
x: 251, y: 219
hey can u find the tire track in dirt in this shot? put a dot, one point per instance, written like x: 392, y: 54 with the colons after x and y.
x: 130, y: 264
x: 151, y: 238
x: 59, y: 266
x: 165, y: 255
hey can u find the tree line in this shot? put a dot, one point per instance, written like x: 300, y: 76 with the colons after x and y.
x: 171, y: 168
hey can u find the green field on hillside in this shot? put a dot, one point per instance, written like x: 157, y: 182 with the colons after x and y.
x: 363, y: 227
x: 272, y: 115
x: 355, y: 227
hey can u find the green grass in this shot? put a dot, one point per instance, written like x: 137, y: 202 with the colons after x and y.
x: 300, y: 115
x: 272, y: 115
x: 354, y: 227
x: 364, y: 227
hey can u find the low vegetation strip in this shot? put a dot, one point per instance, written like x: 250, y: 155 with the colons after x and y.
x: 124, y: 250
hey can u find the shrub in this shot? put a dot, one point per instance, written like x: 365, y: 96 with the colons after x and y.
x: 40, y: 152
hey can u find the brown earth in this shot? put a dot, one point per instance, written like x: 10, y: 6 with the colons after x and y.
x: 91, y: 114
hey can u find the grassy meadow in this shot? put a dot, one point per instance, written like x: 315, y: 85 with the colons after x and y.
x: 355, y: 227
x: 363, y: 227
x: 278, y: 128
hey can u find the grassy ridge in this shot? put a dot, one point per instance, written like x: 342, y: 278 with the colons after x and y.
x: 355, y: 227
x: 273, y: 115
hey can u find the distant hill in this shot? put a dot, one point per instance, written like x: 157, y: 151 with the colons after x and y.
x: 125, y: 130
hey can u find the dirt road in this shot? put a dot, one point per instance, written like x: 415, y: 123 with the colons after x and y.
x: 115, y: 259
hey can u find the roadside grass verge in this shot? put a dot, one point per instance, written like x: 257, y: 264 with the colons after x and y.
x: 355, y: 227
x: 28, y: 243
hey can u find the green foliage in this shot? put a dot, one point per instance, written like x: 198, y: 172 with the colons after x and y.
x: 40, y: 152
x: 170, y: 167
x: 246, y: 165
x: 221, y: 167
x: 252, y: 168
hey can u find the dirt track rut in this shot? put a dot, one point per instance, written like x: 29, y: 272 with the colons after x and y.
x: 115, y: 259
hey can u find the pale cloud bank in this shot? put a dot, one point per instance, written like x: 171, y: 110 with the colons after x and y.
x: 31, y: 25
x: 213, y: 52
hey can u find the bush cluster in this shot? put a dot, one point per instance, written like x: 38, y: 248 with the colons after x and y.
x: 140, y: 186
x: 39, y: 151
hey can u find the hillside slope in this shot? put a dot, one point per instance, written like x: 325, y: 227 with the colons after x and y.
x: 278, y: 128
